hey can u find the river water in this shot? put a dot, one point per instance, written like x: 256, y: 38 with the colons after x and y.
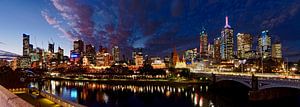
x: 93, y: 94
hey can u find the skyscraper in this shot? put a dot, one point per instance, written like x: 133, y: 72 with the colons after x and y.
x: 227, y: 41
x: 264, y: 44
x: 51, y: 47
x: 276, y: 50
x: 203, y: 44
x: 116, y: 53
x: 217, y: 48
x: 244, y: 44
x: 60, y: 56
x: 137, y: 55
x: 90, y: 53
x: 26, y: 45
x: 79, y: 46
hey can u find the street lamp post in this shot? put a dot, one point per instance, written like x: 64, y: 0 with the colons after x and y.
x: 287, y: 65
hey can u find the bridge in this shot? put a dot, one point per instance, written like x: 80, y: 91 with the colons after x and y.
x: 255, y: 81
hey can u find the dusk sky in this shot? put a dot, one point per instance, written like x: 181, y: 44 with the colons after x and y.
x: 156, y: 25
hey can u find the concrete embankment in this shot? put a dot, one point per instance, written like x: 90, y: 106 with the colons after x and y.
x: 60, y: 101
x: 8, y: 99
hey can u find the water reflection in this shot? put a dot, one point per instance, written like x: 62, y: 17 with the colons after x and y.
x: 95, y: 94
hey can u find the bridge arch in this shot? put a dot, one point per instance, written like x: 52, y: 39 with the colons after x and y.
x: 245, y: 83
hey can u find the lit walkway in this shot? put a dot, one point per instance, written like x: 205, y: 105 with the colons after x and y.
x: 38, y: 102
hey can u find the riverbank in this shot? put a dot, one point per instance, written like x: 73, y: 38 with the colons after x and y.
x: 134, y: 82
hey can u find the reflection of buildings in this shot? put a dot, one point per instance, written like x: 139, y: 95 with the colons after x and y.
x: 244, y: 45
x: 227, y: 42
x: 101, y: 93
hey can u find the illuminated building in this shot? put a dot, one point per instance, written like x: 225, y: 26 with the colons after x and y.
x: 227, y: 42
x: 85, y: 61
x: 203, y: 44
x: 264, y: 44
x: 157, y: 63
x: 244, y: 44
x: 74, y: 57
x: 190, y: 55
x: 116, y: 53
x: 26, y: 45
x: 103, y: 58
x: 276, y: 50
x: 139, y: 59
x: 175, y: 57
x: 181, y: 63
x: 137, y: 56
x: 24, y: 62
x: 211, y: 50
x: 78, y: 46
x: 90, y: 53
x: 217, y: 48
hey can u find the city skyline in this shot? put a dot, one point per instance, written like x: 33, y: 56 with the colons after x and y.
x: 54, y: 23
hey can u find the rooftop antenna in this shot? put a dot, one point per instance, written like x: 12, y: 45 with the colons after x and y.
x: 226, y: 23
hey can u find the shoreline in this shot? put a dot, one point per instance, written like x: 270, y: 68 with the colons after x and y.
x: 134, y: 82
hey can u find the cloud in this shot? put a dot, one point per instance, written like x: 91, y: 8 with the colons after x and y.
x: 159, y: 25
x: 56, y: 24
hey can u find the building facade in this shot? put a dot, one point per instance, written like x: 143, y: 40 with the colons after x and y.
x: 227, y: 43
x: 244, y: 45
x: 264, y: 44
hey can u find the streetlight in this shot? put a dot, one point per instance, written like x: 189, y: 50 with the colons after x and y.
x: 287, y: 65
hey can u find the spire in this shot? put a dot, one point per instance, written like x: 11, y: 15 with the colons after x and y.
x: 227, y: 23
x: 203, y: 30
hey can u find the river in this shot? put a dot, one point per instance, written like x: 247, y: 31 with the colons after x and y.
x: 93, y: 94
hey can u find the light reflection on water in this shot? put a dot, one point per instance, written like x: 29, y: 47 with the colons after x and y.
x: 96, y: 94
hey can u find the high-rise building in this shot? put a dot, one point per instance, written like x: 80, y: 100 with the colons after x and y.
x: 79, y: 47
x: 227, y: 41
x: 217, y: 48
x: 276, y: 50
x: 60, y: 56
x: 26, y: 45
x: 137, y: 56
x: 116, y: 53
x: 211, y: 50
x: 103, y: 59
x: 244, y: 44
x: 90, y: 53
x: 51, y: 47
x: 264, y: 44
x: 190, y: 55
x: 203, y: 44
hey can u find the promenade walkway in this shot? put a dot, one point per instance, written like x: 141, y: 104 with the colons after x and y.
x: 39, y: 101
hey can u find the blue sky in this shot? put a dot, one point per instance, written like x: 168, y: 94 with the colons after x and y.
x: 20, y: 17
x: 156, y: 25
